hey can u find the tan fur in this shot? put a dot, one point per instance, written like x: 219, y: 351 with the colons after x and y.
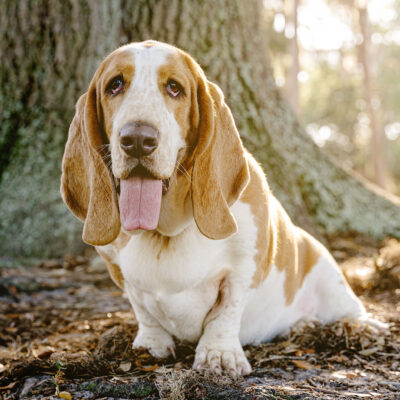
x: 279, y: 242
x: 257, y: 195
x: 220, y: 170
x: 222, y: 299
x: 86, y: 183
x: 176, y: 69
x: 113, y: 269
x: 118, y: 63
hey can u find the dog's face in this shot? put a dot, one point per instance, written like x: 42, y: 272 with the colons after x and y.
x: 149, y: 118
x: 145, y: 95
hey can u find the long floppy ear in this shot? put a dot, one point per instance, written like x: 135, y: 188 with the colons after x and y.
x: 86, y: 182
x: 220, y: 170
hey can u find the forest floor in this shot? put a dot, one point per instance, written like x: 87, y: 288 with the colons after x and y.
x: 66, y: 329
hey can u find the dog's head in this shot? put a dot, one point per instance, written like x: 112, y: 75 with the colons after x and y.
x: 152, y: 135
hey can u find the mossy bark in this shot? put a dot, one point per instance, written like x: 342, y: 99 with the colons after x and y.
x: 50, y: 49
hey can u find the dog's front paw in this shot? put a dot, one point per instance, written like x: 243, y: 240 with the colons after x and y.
x: 157, y: 341
x: 227, y: 358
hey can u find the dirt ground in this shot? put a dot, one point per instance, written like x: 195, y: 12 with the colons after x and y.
x: 66, y: 332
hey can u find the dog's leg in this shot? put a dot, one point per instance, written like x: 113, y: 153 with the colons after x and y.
x: 219, y: 347
x: 151, y: 335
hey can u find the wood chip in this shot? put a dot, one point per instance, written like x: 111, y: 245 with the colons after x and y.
x: 125, y: 366
x: 368, y: 352
x: 9, y: 386
x: 304, y: 364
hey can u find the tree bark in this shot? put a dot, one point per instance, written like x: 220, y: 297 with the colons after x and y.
x: 293, y: 82
x: 377, y: 142
x: 50, y: 51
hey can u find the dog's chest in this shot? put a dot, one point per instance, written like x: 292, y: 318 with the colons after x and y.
x: 175, y: 280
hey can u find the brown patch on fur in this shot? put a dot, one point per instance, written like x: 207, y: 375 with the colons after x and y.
x: 222, y: 298
x: 122, y: 240
x: 149, y: 43
x: 113, y: 269
x: 163, y: 243
x: 220, y: 170
x: 176, y: 203
x: 120, y: 62
x: 177, y: 69
x: 257, y: 194
x: 279, y: 242
x: 118, y: 244
x: 296, y: 253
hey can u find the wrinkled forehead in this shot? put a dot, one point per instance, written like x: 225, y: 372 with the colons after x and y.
x: 144, y: 59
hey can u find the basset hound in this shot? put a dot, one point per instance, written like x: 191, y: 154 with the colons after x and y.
x: 183, y: 216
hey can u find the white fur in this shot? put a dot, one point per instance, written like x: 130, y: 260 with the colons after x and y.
x: 172, y: 289
x: 144, y: 102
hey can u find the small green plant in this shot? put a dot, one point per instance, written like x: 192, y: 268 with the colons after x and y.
x: 57, y: 379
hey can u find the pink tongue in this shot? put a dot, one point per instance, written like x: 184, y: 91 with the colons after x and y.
x: 139, y: 203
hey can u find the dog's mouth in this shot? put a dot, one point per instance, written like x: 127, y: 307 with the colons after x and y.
x: 140, y: 199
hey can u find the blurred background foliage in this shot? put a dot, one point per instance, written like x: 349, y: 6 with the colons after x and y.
x: 338, y: 62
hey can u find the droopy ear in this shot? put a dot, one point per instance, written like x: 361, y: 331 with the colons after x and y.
x: 220, y: 170
x: 86, y: 182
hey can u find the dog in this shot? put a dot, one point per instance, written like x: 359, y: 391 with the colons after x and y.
x: 183, y: 216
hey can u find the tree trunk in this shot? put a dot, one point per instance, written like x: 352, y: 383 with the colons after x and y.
x: 377, y: 143
x: 50, y: 49
x: 293, y: 82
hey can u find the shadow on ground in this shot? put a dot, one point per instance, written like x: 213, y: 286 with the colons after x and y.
x: 66, y: 332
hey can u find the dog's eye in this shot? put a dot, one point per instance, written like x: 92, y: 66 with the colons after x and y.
x: 116, y: 85
x: 173, y: 88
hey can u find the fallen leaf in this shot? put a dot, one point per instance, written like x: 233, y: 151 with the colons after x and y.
x: 2, y: 368
x: 304, y: 364
x: 43, y: 352
x: 65, y: 395
x: 144, y: 367
x: 46, y: 353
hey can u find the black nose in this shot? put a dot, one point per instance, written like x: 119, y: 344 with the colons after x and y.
x: 138, y: 139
